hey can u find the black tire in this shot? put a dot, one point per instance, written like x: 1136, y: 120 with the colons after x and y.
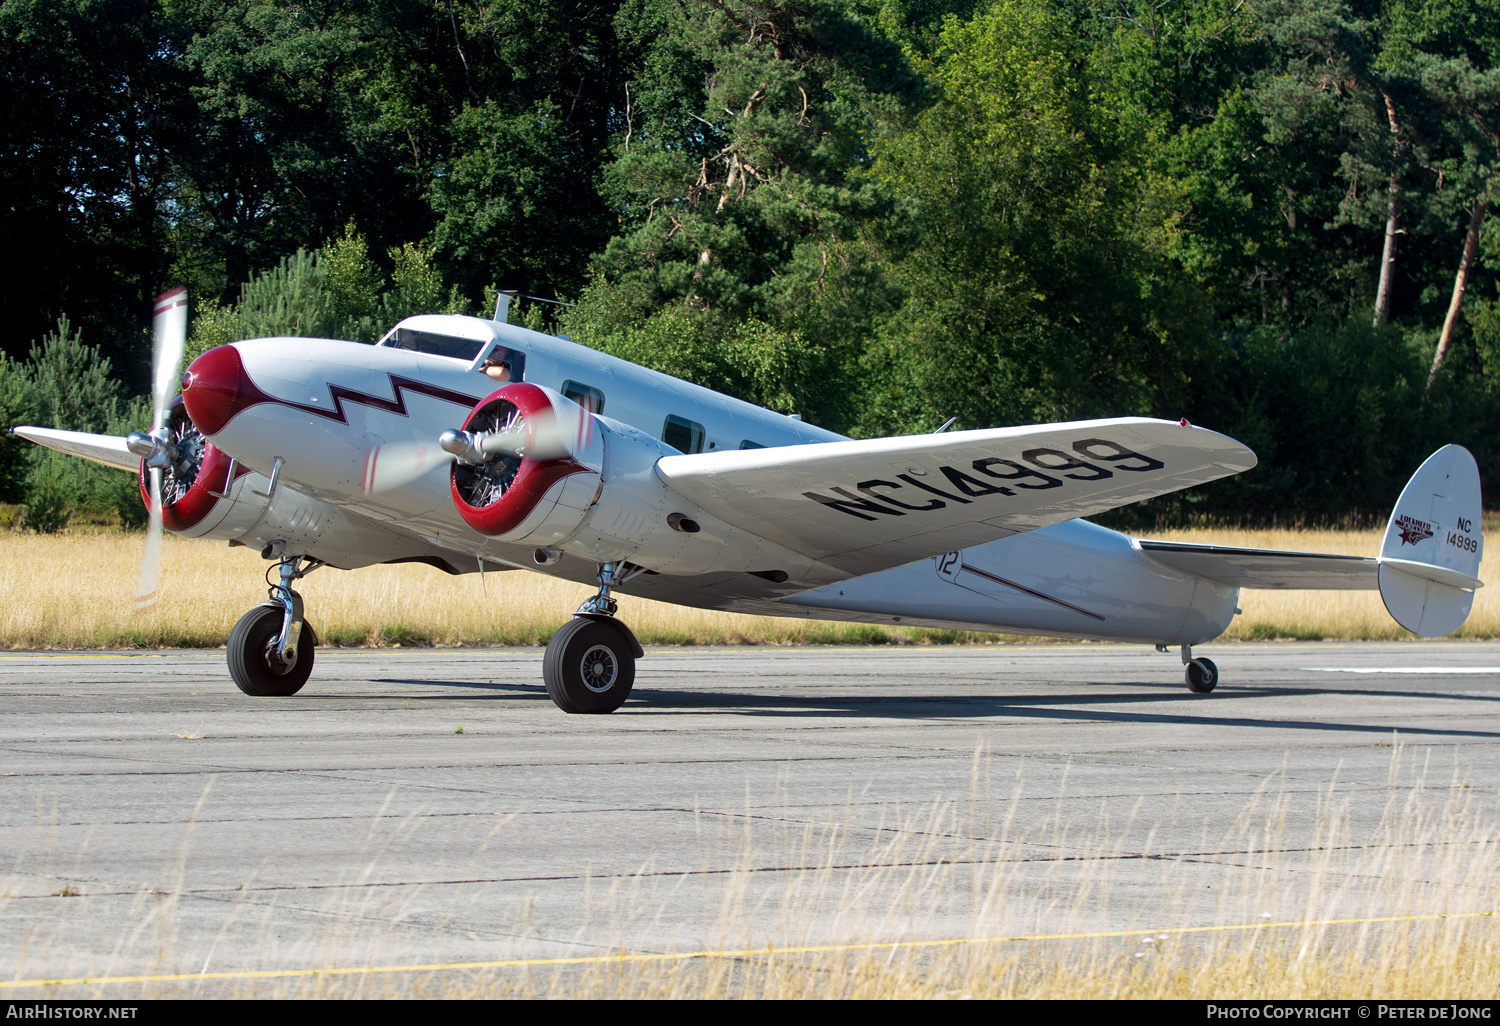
x: 589, y: 667
x: 250, y: 649
x: 1202, y: 676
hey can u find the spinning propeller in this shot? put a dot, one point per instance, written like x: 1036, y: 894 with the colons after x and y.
x: 169, y: 338
x: 400, y: 463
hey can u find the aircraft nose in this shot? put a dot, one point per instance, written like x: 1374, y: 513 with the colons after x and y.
x: 216, y: 387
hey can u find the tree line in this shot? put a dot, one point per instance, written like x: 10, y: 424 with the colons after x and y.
x: 1267, y: 216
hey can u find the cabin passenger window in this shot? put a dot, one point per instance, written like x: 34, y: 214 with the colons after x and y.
x: 437, y: 345
x: 747, y: 444
x: 682, y: 434
x: 587, y: 396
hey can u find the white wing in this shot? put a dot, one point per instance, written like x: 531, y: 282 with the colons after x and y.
x: 106, y: 449
x: 862, y: 506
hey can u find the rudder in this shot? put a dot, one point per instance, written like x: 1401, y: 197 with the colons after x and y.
x: 1429, y: 558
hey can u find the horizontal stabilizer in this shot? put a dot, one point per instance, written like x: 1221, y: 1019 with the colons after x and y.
x: 1267, y: 568
x: 106, y: 449
x: 863, y: 506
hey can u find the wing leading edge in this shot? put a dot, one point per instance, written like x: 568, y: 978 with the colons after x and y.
x: 863, y: 506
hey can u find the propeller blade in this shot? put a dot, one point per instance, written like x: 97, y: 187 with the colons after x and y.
x: 539, y: 439
x: 148, y: 585
x: 169, y: 338
x: 509, y: 441
x: 400, y: 463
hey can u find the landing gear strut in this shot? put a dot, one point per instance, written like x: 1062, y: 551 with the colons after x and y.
x: 590, y: 662
x: 1202, y: 675
x: 271, y: 648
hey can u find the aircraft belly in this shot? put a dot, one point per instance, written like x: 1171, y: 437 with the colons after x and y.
x: 1074, y: 579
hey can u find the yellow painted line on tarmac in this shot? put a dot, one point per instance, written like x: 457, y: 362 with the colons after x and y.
x: 624, y: 957
x: 1115, y: 646
x: 185, y: 654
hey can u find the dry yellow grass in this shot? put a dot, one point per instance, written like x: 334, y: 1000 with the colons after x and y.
x: 75, y: 591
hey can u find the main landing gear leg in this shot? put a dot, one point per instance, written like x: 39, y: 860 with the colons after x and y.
x: 1202, y: 675
x: 590, y: 662
x: 271, y: 648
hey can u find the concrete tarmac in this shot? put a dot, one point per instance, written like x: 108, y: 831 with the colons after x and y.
x: 431, y: 806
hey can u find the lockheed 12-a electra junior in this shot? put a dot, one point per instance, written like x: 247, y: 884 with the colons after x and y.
x: 472, y: 444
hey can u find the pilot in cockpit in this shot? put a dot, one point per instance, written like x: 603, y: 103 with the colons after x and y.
x: 503, y: 365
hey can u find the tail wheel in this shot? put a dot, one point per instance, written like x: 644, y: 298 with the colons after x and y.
x: 252, y: 662
x: 589, y: 667
x: 1202, y: 676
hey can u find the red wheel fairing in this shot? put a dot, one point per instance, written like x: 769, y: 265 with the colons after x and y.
x: 533, y: 478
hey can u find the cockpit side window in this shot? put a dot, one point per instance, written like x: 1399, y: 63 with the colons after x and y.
x: 505, y: 365
x: 431, y: 342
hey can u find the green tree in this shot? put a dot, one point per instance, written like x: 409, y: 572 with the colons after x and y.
x: 736, y: 187
x: 335, y: 292
x: 69, y: 385
x: 1033, y: 249
x: 519, y: 140
x: 93, y: 105
x: 774, y: 367
x: 15, y: 408
x: 1467, y: 87
x: 481, y: 128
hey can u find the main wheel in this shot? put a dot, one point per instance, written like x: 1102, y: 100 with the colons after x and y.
x: 251, y: 662
x: 589, y: 667
x: 1202, y: 675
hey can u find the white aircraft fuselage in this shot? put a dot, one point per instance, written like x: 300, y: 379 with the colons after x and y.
x: 324, y: 412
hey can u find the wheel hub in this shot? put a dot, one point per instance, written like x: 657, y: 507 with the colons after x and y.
x: 599, y: 669
x: 273, y: 659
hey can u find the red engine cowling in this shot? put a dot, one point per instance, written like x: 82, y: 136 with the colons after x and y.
x: 200, y: 470
x: 541, y: 494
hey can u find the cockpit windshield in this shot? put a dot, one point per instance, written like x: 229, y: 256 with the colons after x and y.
x: 431, y: 342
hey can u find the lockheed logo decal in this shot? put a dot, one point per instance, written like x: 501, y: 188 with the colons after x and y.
x: 1413, y: 530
